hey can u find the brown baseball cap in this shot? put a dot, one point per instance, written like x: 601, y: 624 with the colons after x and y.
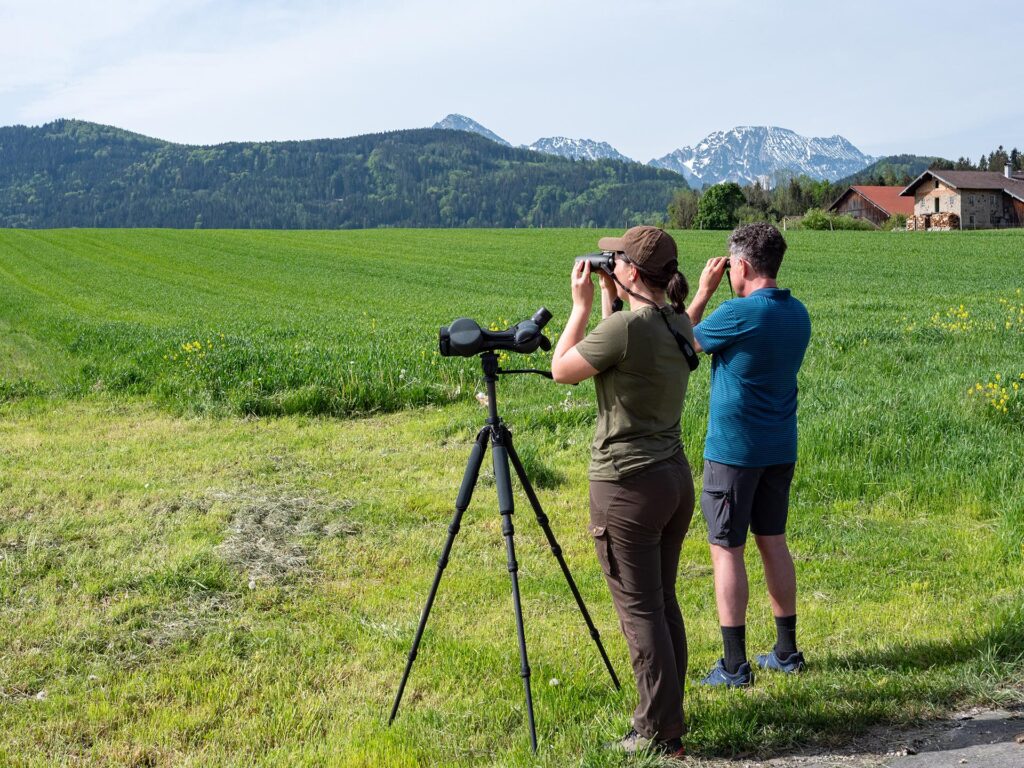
x: 650, y: 248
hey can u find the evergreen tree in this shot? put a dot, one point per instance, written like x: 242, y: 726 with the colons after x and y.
x: 998, y: 159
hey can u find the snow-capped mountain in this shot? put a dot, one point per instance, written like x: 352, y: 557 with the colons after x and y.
x: 462, y: 123
x: 756, y: 153
x: 745, y: 154
x: 578, y: 149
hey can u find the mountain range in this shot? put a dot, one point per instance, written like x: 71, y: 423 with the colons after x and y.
x: 744, y: 154
x: 759, y: 153
x: 72, y: 173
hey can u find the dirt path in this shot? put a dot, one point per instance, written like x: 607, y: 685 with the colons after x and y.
x: 976, y: 737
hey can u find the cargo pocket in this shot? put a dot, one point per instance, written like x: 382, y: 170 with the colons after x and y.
x: 603, y: 546
x: 716, y: 506
x: 602, y: 494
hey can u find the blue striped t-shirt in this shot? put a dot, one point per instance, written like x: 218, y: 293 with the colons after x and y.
x: 757, y: 345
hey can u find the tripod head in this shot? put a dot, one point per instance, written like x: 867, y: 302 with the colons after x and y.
x: 489, y: 361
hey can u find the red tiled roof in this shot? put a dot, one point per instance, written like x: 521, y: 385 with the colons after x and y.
x: 887, y: 198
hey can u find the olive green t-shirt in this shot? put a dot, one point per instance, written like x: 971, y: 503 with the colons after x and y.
x: 640, y: 389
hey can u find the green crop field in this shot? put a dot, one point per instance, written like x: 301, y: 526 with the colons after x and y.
x: 228, y: 462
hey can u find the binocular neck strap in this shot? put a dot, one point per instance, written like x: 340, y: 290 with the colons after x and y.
x: 692, y: 360
x: 634, y: 294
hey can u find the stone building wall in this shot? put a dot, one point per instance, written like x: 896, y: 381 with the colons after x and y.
x: 933, y: 189
x: 985, y: 208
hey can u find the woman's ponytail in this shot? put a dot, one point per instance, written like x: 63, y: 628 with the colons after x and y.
x: 677, y: 291
x: 672, y: 281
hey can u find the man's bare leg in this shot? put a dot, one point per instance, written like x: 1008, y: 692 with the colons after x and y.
x: 780, y: 576
x: 732, y: 593
x: 779, y: 573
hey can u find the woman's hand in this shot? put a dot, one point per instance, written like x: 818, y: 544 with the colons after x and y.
x: 568, y: 366
x: 582, y: 286
x: 609, y: 293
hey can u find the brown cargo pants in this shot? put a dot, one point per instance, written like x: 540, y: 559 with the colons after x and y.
x: 638, y: 524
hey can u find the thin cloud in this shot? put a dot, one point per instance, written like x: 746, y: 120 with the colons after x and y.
x: 647, y: 77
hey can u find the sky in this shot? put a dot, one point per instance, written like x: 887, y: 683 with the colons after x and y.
x: 648, y: 76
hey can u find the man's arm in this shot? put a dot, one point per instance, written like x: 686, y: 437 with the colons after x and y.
x: 710, y: 278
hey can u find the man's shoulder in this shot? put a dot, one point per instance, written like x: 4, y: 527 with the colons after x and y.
x: 772, y: 300
x: 798, y: 308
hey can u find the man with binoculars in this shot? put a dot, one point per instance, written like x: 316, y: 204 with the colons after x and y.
x: 757, y: 343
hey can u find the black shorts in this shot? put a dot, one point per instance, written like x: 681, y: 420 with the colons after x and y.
x: 737, y: 498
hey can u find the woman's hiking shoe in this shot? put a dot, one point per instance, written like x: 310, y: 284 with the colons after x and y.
x: 741, y: 678
x: 633, y: 742
x: 792, y: 663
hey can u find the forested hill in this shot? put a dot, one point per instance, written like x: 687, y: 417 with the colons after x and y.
x: 71, y: 173
x: 894, y: 170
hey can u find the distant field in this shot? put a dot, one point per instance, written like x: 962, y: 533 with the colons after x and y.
x: 184, y: 584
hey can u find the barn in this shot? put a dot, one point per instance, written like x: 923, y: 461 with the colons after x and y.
x: 876, y: 204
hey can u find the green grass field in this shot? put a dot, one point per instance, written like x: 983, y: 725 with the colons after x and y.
x: 228, y: 462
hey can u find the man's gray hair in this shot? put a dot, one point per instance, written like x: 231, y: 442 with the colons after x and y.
x: 761, y: 244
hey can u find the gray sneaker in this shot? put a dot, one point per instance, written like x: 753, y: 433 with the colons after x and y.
x: 720, y: 677
x: 792, y: 663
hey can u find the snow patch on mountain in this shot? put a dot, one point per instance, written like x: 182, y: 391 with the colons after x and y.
x: 747, y: 154
x: 455, y: 122
x: 578, y: 149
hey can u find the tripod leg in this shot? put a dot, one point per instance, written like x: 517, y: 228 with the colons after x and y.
x: 557, y: 551
x: 476, y: 458
x: 505, y: 506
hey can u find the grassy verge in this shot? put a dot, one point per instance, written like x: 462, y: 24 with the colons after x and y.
x: 185, y: 591
x: 184, y: 584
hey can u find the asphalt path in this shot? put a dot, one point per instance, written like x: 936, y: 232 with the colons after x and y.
x: 976, y: 738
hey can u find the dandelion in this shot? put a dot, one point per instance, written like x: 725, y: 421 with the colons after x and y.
x: 955, y: 319
x: 996, y: 397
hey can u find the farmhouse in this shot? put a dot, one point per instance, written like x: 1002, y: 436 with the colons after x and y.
x: 876, y: 204
x: 966, y: 200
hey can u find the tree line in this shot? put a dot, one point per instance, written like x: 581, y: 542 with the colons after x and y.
x: 77, y: 174
x: 72, y: 173
x: 727, y: 205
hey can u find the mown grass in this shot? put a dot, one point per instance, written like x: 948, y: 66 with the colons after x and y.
x: 181, y: 586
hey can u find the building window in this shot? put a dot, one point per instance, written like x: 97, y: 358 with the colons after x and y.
x: 936, y: 205
x: 936, y: 183
x: 972, y: 220
x: 970, y: 199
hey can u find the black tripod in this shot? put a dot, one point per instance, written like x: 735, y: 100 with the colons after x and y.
x: 503, y: 451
